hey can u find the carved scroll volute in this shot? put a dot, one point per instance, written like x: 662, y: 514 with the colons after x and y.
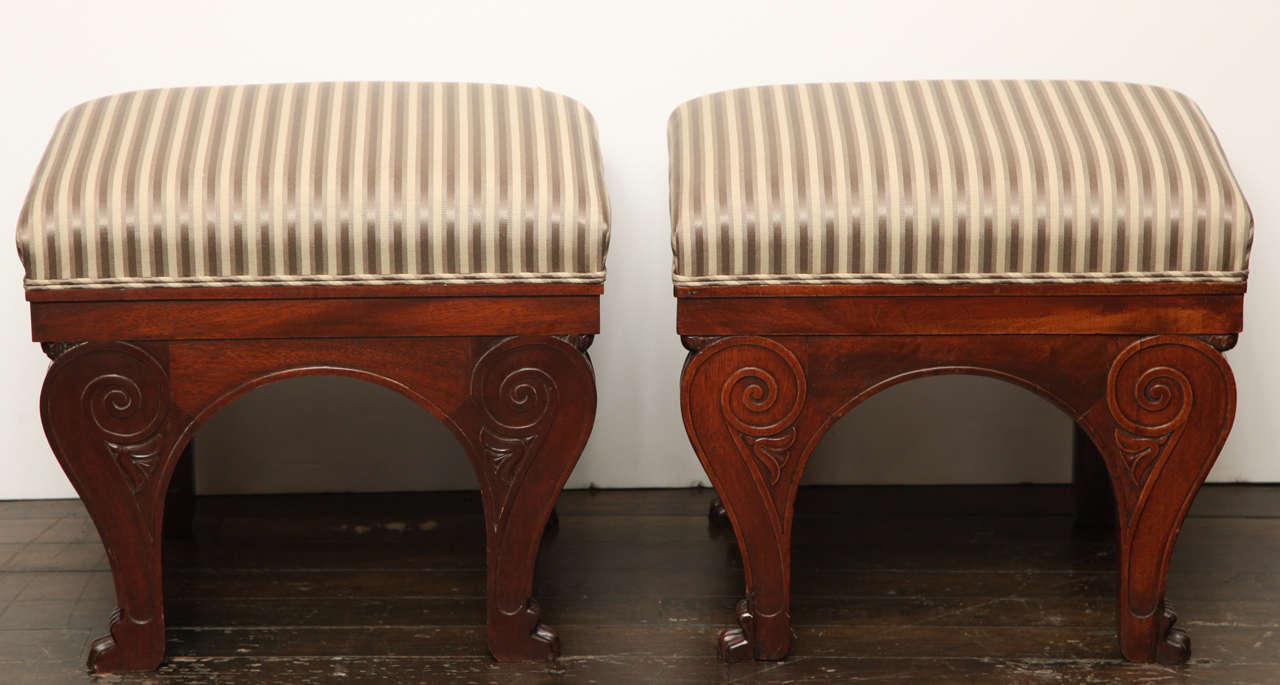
x: 517, y: 398
x: 1150, y: 402
x: 760, y: 400
x: 126, y: 400
x: 113, y: 399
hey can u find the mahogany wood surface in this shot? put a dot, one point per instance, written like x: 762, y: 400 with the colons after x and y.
x: 1141, y: 374
x: 314, y: 318
x: 959, y: 314
x: 132, y: 379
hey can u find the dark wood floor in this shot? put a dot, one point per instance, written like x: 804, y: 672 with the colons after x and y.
x: 928, y: 585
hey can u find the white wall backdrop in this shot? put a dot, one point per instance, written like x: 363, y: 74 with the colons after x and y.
x: 631, y: 63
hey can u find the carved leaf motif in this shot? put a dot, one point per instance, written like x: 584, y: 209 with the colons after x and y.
x: 773, y: 451
x: 1140, y: 453
x: 137, y: 460
x: 505, y: 453
x: 516, y: 398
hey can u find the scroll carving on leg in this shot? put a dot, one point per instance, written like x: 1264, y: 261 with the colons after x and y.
x: 743, y: 399
x: 1169, y: 406
x: 534, y: 404
x: 107, y: 413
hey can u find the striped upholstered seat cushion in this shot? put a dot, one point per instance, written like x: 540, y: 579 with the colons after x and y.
x: 980, y: 181
x: 324, y: 183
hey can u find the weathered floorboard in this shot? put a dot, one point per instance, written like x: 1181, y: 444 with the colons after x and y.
x: 938, y: 585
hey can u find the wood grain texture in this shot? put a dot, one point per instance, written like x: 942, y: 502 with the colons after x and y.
x: 118, y: 414
x: 961, y: 314
x: 218, y: 319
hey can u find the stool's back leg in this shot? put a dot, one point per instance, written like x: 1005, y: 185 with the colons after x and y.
x: 108, y: 415
x: 1169, y: 405
x: 180, y: 503
x: 1090, y: 484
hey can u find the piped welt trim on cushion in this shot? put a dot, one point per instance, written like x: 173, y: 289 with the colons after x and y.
x: 346, y: 279
x: 943, y: 279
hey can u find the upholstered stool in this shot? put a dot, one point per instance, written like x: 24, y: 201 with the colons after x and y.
x: 185, y: 246
x: 1084, y: 240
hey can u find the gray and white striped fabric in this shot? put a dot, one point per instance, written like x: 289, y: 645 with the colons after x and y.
x: 318, y: 183
x: 952, y: 182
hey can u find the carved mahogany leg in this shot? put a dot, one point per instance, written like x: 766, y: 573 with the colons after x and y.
x: 742, y: 398
x: 1090, y: 484
x: 1169, y: 405
x: 533, y: 402
x: 107, y: 412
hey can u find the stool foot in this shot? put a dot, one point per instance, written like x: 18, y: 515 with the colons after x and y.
x: 1175, y: 644
x: 130, y: 646
x: 522, y: 636
x: 767, y: 638
x: 735, y: 643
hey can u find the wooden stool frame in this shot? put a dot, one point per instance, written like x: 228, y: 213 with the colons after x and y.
x: 1137, y: 366
x: 136, y: 372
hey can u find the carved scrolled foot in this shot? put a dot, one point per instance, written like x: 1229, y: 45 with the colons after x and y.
x: 735, y: 643
x: 1174, y: 646
x: 718, y: 515
x: 130, y: 646
x: 521, y: 636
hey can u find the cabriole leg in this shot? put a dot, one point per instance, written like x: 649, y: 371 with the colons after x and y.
x: 742, y: 398
x: 533, y: 402
x: 107, y: 413
x: 1169, y: 405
